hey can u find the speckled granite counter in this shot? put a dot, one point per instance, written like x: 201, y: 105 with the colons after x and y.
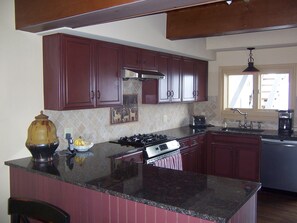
x: 204, y: 196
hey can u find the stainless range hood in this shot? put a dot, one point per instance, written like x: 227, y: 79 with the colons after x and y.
x: 141, y: 75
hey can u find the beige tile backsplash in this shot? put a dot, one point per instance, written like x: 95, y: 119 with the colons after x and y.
x: 94, y: 124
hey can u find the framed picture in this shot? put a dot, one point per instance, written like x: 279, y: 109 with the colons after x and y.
x: 126, y: 113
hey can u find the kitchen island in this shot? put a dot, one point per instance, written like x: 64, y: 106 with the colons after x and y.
x: 92, y: 189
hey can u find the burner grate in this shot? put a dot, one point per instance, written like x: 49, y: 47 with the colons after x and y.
x: 140, y: 140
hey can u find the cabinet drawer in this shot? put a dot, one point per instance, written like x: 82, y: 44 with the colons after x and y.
x: 242, y: 139
x: 191, y: 141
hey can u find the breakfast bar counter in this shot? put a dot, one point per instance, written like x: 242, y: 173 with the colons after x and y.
x: 92, y: 189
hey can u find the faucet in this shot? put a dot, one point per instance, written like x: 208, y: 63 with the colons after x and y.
x: 245, y: 125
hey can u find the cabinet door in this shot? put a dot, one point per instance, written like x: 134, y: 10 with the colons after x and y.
x: 247, y: 166
x: 131, y: 57
x: 77, y: 83
x: 201, y: 80
x: 190, y: 159
x: 164, y: 84
x: 108, y: 74
x: 148, y: 60
x: 188, y: 78
x: 175, y: 79
x: 193, y: 154
x: 222, y: 160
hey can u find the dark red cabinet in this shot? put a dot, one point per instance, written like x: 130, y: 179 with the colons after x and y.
x: 193, y: 153
x: 139, y: 58
x: 164, y: 90
x: 195, y: 80
x: 80, y: 73
x: 68, y: 72
x: 170, y: 87
x: 201, y: 80
x: 108, y: 74
x: 189, y: 80
x: 235, y: 156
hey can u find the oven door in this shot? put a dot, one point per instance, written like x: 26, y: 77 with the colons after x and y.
x: 171, y: 160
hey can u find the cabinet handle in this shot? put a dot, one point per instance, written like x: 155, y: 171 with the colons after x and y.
x: 172, y: 93
x: 197, y: 93
x: 168, y: 94
x: 194, y: 93
x: 92, y: 95
x: 98, y: 95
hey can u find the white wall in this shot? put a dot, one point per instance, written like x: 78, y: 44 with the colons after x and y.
x: 20, y: 92
x: 147, y: 32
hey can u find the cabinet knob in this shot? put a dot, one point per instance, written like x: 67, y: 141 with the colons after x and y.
x: 168, y: 94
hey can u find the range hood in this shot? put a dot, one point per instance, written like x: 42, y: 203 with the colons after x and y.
x: 142, y: 74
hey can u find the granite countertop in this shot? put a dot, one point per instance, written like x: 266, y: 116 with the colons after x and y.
x: 204, y: 196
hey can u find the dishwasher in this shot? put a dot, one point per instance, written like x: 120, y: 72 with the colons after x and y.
x: 278, y: 167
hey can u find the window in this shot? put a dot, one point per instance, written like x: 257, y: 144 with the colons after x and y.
x: 259, y: 94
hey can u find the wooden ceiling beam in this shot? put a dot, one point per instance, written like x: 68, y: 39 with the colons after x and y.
x: 239, y: 17
x: 41, y: 15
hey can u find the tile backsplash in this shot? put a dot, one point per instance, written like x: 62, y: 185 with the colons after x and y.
x: 94, y: 124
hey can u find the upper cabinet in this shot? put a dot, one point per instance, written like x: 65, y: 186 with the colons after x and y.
x: 194, y: 79
x: 189, y: 80
x: 164, y: 90
x: 80, y: 73
x: 185, y: 81
x: 139, y: 58
x: 201, y: 80
x: 84, y: 73
x: 108, y: 74
x: 170, y: 87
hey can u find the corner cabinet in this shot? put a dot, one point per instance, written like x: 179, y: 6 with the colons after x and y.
x: 233, y: 155
x: 75, y: 69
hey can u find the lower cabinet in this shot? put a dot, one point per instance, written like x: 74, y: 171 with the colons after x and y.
x: 193, y: 153
x: 234, y: 156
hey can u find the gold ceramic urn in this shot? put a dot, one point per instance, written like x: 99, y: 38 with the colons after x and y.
x: 42, y: 139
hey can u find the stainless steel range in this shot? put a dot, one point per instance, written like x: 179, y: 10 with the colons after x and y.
x: 158, y: 150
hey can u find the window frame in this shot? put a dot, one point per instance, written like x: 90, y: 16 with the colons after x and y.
x: 255, y: 114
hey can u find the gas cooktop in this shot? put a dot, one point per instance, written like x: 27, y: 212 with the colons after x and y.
x: 141, y: 140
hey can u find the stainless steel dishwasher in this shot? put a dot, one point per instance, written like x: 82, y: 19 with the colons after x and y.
x: 278, y: 168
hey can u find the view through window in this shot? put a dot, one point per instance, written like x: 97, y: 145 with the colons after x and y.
x: 271, y: 89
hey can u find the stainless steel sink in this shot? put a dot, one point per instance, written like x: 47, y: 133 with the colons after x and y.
x: 233, y: 129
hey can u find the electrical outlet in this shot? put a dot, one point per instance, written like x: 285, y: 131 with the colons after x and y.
x: 68, y: 130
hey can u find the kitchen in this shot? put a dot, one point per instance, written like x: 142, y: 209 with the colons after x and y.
x: 26, y: 79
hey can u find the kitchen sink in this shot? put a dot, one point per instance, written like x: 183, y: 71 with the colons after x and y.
x: 234, y: 129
